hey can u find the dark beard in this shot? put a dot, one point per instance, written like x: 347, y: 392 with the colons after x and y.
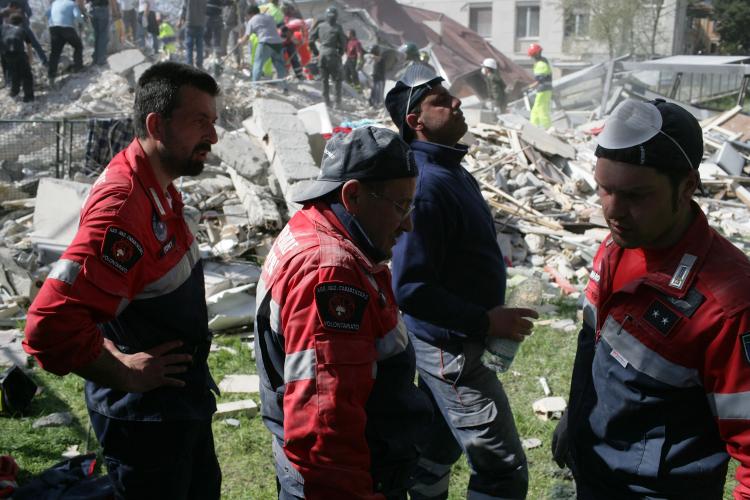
x: 179, y: 167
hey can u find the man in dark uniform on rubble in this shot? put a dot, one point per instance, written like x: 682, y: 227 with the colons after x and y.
x: 332, y: 41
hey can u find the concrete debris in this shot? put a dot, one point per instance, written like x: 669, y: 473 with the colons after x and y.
x: 11, y: 351
x: 538, y: 183
x: 71, y: 451
x: 231, y: 308
x: 531, y: 443
x: 549, y: 408
x: 246, y: 407
x: 60, y: 419
x: 232, y: 422
x: 248, y: 384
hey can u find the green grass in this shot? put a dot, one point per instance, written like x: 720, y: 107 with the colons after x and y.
x: 245, y: 451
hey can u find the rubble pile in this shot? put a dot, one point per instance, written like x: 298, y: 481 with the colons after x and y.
x: 539, y: 184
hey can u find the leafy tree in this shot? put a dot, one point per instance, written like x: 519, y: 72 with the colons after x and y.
x: 732, y: 20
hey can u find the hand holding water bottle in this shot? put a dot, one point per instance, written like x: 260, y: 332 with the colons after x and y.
x: 509, y: 326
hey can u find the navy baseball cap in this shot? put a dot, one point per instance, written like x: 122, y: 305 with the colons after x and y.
x: 407, y: 93
x: 365, y: 154
x: 657, y: 134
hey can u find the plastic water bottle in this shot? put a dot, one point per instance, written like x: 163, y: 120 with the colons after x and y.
x: 499, y: 353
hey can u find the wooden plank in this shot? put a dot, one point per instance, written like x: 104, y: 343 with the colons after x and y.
x: 709, y: 123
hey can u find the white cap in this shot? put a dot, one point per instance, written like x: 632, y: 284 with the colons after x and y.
x: 631, y: 123
x: 490, y: 63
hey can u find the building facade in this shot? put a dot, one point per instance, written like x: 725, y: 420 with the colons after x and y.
x: 659, y: 27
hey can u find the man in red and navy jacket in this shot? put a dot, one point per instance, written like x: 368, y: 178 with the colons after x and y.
x: 125, y: 306
x: 335, y: 362
x: 660, y: 396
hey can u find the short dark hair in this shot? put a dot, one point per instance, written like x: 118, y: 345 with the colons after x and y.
x: 158, y: 90
x: 16, y: 19
x: 353, y: 33
x: 252, y: 10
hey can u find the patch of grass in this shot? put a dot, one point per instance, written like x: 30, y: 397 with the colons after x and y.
x: 245, y: 451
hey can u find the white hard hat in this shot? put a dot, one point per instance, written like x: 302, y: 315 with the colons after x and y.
x: 490, y: 63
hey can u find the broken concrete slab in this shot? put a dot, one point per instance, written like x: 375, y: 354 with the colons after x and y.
x: 125, y: 60
x: 244, y: 153
x: 11, y: 350
x: 231, y: 308
x: 545, y: 142
x: 246, y: 407
x: 56, y: 215
x: 259, y: 206
x: 59, y: 419
x: 315, y: 119
x: 249, y: 384
x: 139, y: 70
x: 549, y: 408
x: 729, y: 159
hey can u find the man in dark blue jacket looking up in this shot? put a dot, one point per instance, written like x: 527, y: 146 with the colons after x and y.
x: 449, y: 280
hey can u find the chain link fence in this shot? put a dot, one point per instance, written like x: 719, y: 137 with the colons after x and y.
x: 30, y: 149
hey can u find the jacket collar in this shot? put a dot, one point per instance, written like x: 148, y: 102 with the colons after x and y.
x: 676, y: 269
x: 144, y: 172
x: 326, y: 220
x: 445, y: 156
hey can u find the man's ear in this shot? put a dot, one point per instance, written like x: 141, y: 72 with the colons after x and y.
x: 689, y: 186
x: 412, y: 120
x: 155, y: 126
x: 352, y: 196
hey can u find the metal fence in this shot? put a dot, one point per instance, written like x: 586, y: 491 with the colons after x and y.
x: 60, y: 148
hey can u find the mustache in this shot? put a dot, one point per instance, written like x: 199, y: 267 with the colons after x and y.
x: 204, y: 146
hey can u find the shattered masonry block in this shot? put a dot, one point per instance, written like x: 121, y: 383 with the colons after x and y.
x: 288, y: 123
x: 246, y: 406
x: 139, y: 70
x: 273, y: 106
x: 239, y: 150
x: 287, y: 139
x: 124, y: 61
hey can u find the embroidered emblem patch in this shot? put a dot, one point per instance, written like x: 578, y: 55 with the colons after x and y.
x: 746, y: 345
x: 661, y: 317
x: 159, y: 227
x: 121, y: 250
x: 340, y: 306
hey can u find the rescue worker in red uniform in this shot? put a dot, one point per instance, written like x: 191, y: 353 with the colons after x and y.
x: 125, y: 306
x: 335, y: 362
x: 660, y: 395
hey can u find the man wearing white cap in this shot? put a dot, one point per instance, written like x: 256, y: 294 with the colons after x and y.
x: 495, y: 84
x: 660, y: 394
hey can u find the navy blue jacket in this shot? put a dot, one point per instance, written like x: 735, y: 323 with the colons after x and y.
x: 449, y: 271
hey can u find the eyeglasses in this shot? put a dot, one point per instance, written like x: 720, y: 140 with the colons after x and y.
x: 404, y: 208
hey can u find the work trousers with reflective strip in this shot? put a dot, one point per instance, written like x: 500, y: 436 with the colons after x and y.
x: 473, y: 416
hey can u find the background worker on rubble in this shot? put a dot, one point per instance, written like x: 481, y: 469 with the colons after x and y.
x: 335, y: 362
x: 449, y: 280
x: 660, y: 394
x: 125, y: 306
x: 494, y: 84
x: 332, y: 41
x: 355, y: 57
x: 541, y: 113
x: 270, y: 44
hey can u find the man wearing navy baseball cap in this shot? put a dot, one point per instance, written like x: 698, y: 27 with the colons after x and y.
x: 335, y: 362
x: 660, y: 394
x: 449, y: 280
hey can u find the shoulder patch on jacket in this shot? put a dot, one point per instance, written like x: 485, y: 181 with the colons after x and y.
x: 745, y: 338
x: 121, y: 249
x: 340, y: 306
